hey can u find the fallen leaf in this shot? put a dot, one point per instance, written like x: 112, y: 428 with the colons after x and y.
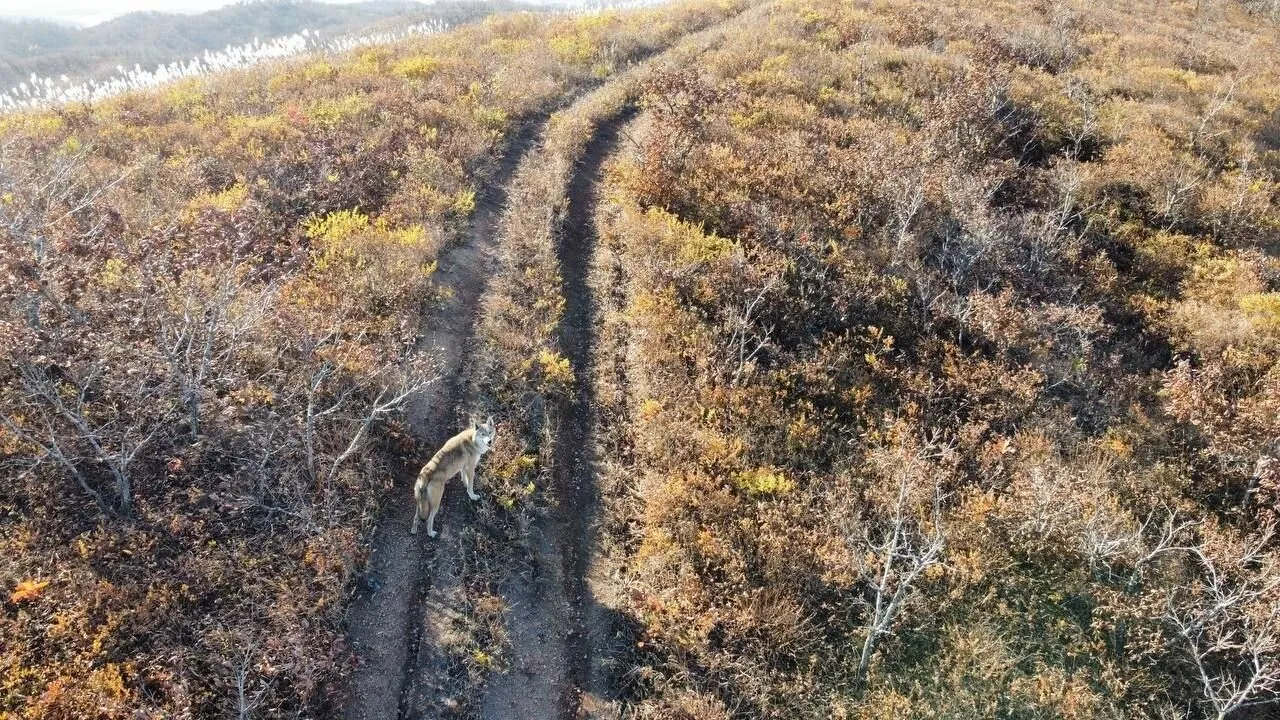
x: 28, y: 590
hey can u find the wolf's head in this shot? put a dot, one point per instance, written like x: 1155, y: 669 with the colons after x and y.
x: 485, y: 434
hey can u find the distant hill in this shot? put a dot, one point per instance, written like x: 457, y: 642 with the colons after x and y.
x: 151, y: 38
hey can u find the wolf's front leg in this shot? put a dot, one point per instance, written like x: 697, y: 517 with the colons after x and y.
x: 469, y: 478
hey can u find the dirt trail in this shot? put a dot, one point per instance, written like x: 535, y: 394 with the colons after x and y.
x: 405, y: 618
x: 555, y: 631
x: 408, y: 577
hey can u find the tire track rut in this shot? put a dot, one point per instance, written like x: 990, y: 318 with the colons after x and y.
x: 553, y: 627
x: 575, y: 451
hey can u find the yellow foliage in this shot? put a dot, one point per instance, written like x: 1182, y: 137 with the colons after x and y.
x: 227, y: 201
x: 650, y: 408
x: 760, y: 482
x: 492, y: 119
x: 1117, y: 444
x: 509, y: 46
x: 253, y: 135
x: 556, y: 370
x: 332, y: 114
x: 1163, y: 249
x: 686, y: 242
x: 319, y: 71
x: 28, y: 590
x: 464, y: 202
x: 417, y: 67
x: 516, y: 467
x: 346, y: 240
x: 600, y: 22
x: 334, y: 237
x: 368, y: 62
x: 186, y: 96
x: 336, y: 226
x: 1263, y: 309
x: 38, y: 124
x: 575, y: 49
x: 1220, y: 280
x: 802, y: 431
x: 114, y: 274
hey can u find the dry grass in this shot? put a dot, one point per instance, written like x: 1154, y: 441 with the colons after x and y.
x: 204, y: 290
x: 967, y: 308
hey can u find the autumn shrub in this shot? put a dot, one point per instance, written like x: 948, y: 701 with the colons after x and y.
x: 522, y: 370
x: 210, y: 298
x: 945, y: 366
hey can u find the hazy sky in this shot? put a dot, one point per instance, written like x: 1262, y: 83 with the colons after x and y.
x: 88, y: 12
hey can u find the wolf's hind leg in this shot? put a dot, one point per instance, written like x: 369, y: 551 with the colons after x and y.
x: 417, y: 508
x: 435, y: 494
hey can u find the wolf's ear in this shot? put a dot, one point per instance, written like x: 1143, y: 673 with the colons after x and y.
x: 489, y: 423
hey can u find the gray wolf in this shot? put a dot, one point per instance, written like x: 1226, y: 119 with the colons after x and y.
x: 459, y: 455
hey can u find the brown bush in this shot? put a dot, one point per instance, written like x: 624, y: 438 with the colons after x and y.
x: 208, y: 295
x: 947, y: 370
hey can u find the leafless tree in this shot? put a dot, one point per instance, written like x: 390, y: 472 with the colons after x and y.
x: 245, y: 705
x: 1180, y: 188
x: 1221, y: 99
x: 744, y: 330
x: 1054, y: 233
x: 905, y: 208
x: 903, y: 545
x: 1229, y: 624
x: 204, y: 331
x: 866, y: 37
x: 61, y: 408
x: 1266, y: 469
x: 1086, y: 102
x: 342, y: 417
x: 57, y: 419
x: 64, y: 190
x: 1123, y: 554
x: 390, y: 398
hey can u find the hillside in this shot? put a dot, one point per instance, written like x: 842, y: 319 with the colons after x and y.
x: 149, y: 39
x: 850, y: 360
x: 950, y: 366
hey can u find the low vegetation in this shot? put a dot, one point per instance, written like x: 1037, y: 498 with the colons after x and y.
x: 938, y: 362
x: 951, y: 382
x: 521, y: 373
x: 208, y: 298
